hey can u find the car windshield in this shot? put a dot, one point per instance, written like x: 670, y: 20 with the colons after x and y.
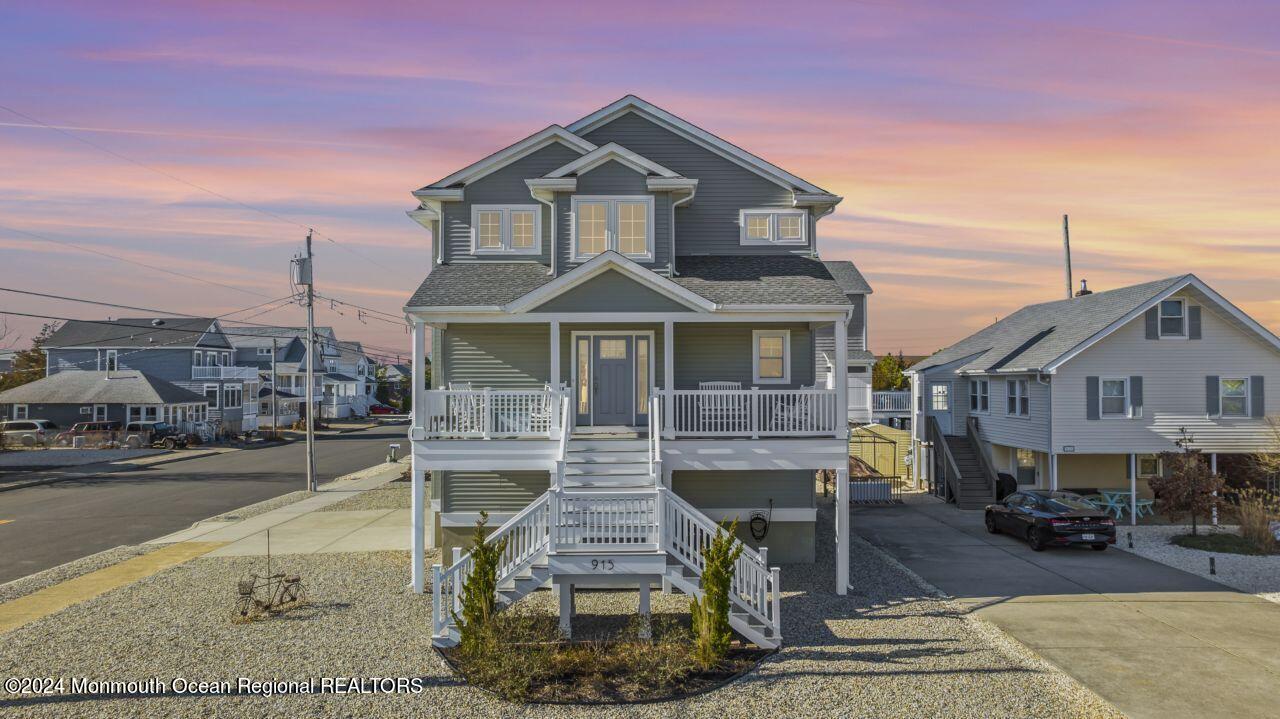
x: 161, y: 426
x: 1064, y: 502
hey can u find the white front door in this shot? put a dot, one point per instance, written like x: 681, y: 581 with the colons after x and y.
x: 940, y: 404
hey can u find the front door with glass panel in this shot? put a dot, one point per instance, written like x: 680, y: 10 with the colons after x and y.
x: 612, y: 382
x: 940, y: 405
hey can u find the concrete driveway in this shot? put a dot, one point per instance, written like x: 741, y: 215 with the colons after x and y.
x: 1152, y: 640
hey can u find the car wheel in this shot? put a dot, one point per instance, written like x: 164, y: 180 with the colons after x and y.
x: 1099, y: 547
x: 991, y: 524
x: 28, y: 441
x: 1035, y: 538
x: 170, y: 443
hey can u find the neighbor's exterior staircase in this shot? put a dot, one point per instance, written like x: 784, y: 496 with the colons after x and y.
x: 973, y: 491
x: 608, y: 508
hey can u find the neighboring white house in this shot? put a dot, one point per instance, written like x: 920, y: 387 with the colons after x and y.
x: 1084, y: 393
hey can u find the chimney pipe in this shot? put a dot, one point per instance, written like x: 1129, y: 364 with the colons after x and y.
x: 1066, y: 250
x: 1084, y: 289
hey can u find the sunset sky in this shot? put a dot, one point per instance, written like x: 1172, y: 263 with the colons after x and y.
x: 958, y: 134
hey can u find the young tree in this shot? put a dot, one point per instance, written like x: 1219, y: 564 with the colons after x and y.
x: 1188, y: 487
x: 886, y: 374
x: 29, y: 364
x: 383, y: 391
x: 479, y: 591
x: 711, y: 633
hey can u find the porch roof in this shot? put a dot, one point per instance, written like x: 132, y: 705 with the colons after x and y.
x: 722, y: 279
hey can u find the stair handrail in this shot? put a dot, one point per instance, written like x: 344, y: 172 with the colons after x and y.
x: 755, y: 588
x: 950, y: 468
x: 562, y: 451
x: 988, y: 470
x: 528, y: 534
x: 655, y: 440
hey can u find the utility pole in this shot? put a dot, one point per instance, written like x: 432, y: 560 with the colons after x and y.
x: 275, y: 408
x: 303, y: 276
x: 1066, y: 249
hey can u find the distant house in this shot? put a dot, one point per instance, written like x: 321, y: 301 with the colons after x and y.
x: 193, y: 354
x: 120, y: 395
x: 344, y: 382
x: 1085, y: 393
x: 6, y: 359
x: 397, y: 377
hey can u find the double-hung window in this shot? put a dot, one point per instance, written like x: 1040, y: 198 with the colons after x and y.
x: 1173, y: 318
x: 770, y: 356
x: 1233, y: 397
x: 506, y: 229
x: 622, y: 224
x: 774, y: 227
x: 264, y: 351
x: 1018, y: 397
x: 979, y: 395
x: 211, y: 394
x: 1115, y: 397
x: 232, y: 396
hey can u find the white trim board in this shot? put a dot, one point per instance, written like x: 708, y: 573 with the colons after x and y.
x: 591, y: 394
x: 511, y: 153
x: 597, y: 265
x: 612, y: 152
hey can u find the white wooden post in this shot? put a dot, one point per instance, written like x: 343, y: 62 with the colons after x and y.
x: 1133, y: 489
x: 418, y: 374
x: 842, y: 530
x: 417, y: 529
x: 555, y: 356
x: 1053, y: 471
x: 646, y: 630
x: 841, y: 371
x: 487, y: 422
x: 668, y: 376
x: 1213, y: 467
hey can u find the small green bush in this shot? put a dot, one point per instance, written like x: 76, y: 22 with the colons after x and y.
x: 711, y: 632
x: 480, y: 590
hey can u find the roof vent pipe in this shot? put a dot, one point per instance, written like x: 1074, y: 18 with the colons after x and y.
x: 1084, y: 289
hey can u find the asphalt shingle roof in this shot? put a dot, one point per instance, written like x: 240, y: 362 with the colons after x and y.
x: 85, y: 387
x: 1036, y: 335
x: 723, y: 279
x: 131, y: 332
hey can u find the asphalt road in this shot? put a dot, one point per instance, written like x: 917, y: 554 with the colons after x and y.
x: 48, y: 525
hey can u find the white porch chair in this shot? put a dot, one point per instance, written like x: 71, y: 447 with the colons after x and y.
x: 724, y: 413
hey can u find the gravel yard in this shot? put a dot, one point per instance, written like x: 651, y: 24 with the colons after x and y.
x: 394, y: 495
x: 70, y: 570
x: 1258, y: 575
x: 890, y: 650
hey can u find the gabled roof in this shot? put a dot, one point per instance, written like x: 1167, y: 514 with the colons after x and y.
x: 848, y: 277
x: 616, y: 153
x: 506, y: 156
x: 133, y: 332
x: 85, y: 387
x: 1041, y: 337
x: 611, y: 261
x: 697, y: 135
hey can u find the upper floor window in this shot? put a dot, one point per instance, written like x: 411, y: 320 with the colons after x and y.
x: 769, y: 358
x: 505, y: 229
x: 774, y: 227
x: 979, y: 395
x: 1173, y: 318
x: 1115, y: 398
x: 1233, y: 396
x: 621, y: 224
x: 264, y: 351
x: 1018, y: 397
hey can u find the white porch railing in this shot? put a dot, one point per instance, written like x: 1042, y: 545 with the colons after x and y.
x: 486, y: 413
x: 891, y: 401
x: 754, y: 413
x: 596, y: 520
x: 220, y: 372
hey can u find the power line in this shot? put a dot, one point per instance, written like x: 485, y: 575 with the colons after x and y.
x: 188, y: 183
x: 132, y: 262
x: 360, y: 307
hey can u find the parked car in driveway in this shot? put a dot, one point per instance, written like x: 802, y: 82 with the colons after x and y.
x: 1047, y: 518
x: 28, y: 432
x: 95, y: 433
x: 155, y: 434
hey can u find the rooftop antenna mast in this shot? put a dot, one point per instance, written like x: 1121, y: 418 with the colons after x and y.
x: 1066, y: 249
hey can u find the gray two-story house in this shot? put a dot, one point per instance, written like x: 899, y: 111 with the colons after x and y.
x: 193, y: 354
x: 632, y: 338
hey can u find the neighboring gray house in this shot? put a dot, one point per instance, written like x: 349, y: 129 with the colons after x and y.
x: 123, y: 395
x: 632, y: 337
x: 6, y: 360
x: 1084, y: 393
x: 344, y: 382
x: 192, y: 353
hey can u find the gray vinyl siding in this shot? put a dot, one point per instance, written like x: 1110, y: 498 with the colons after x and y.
x: 61, y: 360
x: 824, y: 338
x: 497, y: 355
x: 611, y: 292
x: 722, y: 352
x: 612, y: 178
x: 746, y: 489
x: 172, y: 365
x: 1173, y: 387
x: 503, y: 187
x: 709, y: 225
x: 564, y: 223
x: 1000, y: 428
x: 491, y: 491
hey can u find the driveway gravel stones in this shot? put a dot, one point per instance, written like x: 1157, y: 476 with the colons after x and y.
x: 889, y: 649
x: 1258, y: 575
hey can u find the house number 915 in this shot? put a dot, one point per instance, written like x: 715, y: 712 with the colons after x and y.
x: 602, y: 565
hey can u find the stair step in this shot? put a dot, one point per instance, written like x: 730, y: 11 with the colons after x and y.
x: 602, y: 457
x: 601, y: 444
x: 604, y: 468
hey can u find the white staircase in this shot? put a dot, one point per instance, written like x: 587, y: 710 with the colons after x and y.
x: 608, y: 518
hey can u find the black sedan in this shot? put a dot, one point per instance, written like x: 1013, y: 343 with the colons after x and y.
x: 1046, y: 518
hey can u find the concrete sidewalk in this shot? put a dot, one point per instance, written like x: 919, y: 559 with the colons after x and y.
x: 1152, y: 640
x: 301, y: 528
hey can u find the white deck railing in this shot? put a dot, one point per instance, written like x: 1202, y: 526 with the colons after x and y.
x: 220, y: 372
x: 753, y: 413
x: 486, y: 413
x: 605, y: 521
x: 890, y: 401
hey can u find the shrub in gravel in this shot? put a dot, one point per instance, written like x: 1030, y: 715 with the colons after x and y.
x: 711, y: 631
x: 1258, y: 512
x: 1190, y: 488
x: 479, y: 592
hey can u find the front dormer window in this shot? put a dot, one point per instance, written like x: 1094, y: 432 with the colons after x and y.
x: 622, y: 224
x: 505, y: 229
x: 1173, y: 318
x: 774, y: 227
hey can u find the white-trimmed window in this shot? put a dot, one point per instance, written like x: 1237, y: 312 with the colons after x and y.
x: 232, y: 396
x: 979, y: 395
x: 1149, y: 465
x: 1114, y: 397
x: 940, y: 397
x: 771, y: 356
x: 20, y: 411
x: 1233, y: 397
x: 1173, y: 318
x: 111, y: 360
x: 506, y: 229
x: 774, y: 227
x: 264, y: 351
x: 211, y: 394
x: 1017, y: 397
x: 623, y: 224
